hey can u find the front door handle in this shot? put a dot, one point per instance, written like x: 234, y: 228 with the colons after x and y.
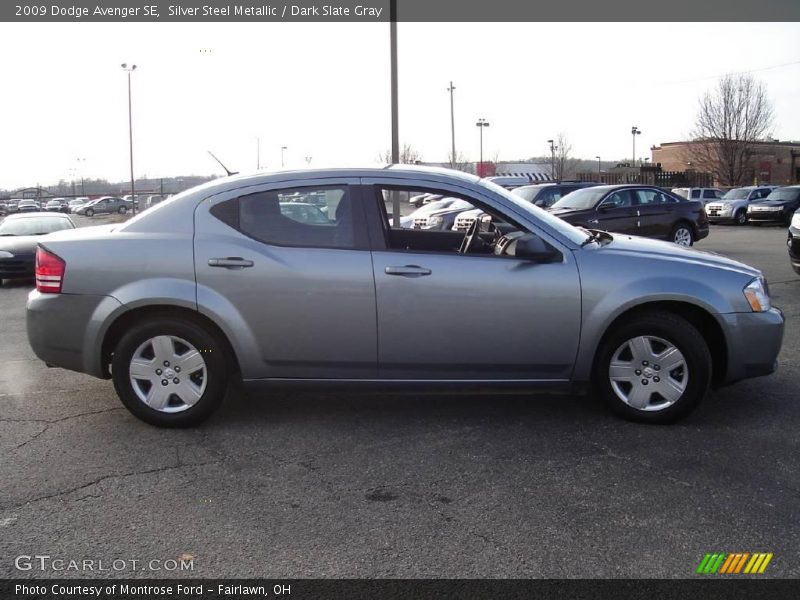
x: 230, y: 262
x: 408, y: 271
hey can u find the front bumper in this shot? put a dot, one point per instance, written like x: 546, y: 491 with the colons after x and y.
x: 754, y: 342
x: 21, y: 266
x: 66, y: 330
x: 793, y: 243
x: 767, y: 216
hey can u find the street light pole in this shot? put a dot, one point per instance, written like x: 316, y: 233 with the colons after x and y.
x: 552, y: 159
x: 481, y: 124
x: 452, y: 127
x: 634, y: 132
x: 283, y: 149
x: 598, y: 167
x: 393, y: 60
x: 130, y: 70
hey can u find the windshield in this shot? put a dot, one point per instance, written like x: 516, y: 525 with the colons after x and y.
x: 34, y: 225
x: 571, y: 232
x: 528, y: 192
x: 27, y: 203
x: 737, y: 194
x: 581, y: 199
x: 784, y: 194
x: 74, y: 202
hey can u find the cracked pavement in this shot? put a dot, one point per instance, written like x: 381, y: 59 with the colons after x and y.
x: 366, y: 485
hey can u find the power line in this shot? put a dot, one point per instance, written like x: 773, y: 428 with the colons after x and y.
x: 769, y: 68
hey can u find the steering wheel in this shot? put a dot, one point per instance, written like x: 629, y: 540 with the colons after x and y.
x: 470, y: 237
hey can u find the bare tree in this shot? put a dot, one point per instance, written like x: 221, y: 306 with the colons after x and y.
x: 460, y: 163
x: 565, y: 166
x: 408, y: 156
x: 732, y: 119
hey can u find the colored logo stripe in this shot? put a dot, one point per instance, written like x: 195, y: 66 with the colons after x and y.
x: 734, y: 563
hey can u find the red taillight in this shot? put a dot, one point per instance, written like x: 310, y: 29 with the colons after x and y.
x: 49, y: 272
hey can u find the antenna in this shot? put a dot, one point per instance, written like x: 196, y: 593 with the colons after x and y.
x: 222, y: 165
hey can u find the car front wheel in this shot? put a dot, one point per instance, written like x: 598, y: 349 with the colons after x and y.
x: 123, y: 210
x: 741, y: 217
x: 170, y: 372
x: 682, y: 235
x: 89, y: 213
x: 654, y: 368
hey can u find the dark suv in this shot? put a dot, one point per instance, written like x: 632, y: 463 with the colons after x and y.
x: 778, y: 207
x: 635, y: 209
x: 547, y: 194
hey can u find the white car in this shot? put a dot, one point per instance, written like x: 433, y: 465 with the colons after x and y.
x: 705, y: 195
x: 733, y: 205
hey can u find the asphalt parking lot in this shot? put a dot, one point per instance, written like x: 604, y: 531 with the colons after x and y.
x: 337, y: 485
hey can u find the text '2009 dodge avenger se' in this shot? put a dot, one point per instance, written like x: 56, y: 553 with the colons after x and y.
x: 223, y: 281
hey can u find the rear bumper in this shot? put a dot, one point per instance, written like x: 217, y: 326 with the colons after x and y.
x: 701, y: 232
x: 754, y: 342
x: 66, y: 330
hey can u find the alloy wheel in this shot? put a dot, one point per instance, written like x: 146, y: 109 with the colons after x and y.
x: 683, y: 237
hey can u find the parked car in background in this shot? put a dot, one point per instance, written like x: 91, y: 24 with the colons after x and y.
x: 150, y: 200
x: 423, y: 199
x: 234, y: 290
x: 19, y: 236
x: 794, y: 242
x: 12, y: 206
x: 76, y: 203
x: 509, y: 182
x: 28, y: 206
x: 303, y: 212
x: 104, y: 205
x: 439, y: 215
x: 638, y: 210
x: 778, y: 207
x: 545, y: 195
x: 56, y: 205
x: 705, y: 195
x: 732, y: 207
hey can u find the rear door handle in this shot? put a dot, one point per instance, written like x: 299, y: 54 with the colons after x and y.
x: 230, y: 262
x: 408, y: 271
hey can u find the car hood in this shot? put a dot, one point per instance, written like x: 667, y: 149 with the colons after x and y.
x: 771, y: 202
x: 20, y: 244
x: 660, y: 250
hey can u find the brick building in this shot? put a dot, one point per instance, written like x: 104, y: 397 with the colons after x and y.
x: 772, y: 161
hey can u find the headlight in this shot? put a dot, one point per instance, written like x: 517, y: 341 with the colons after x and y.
x: 796, y: 220
x: 4, y: 254
x: 757, y: 295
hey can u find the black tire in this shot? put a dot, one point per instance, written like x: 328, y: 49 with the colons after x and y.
x: 122, y: 210
x: 678, y: 332
x: 217, y: 371
x: 682, y: 229
x: 740, y: 218
x: 89, y: 213
x: 796, y: 269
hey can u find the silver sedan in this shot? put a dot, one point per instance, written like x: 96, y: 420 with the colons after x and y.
x: 226, y: 281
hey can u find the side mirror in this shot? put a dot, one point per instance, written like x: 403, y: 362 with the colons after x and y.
x: 535, y: 248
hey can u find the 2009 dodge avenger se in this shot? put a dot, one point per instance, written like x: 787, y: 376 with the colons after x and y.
x: 225, y: 280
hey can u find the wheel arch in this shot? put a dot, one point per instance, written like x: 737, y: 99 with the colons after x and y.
x: 118, y: 327
x: 699, y: 317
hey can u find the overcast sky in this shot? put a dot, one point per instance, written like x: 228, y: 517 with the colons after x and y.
x: 322, y: 90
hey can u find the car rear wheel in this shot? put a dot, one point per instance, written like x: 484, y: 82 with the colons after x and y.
x: 170, y: 372
x: 654, y: 368
x: 740, y: 218
x: 123, y: 210
x: 89, y: 212
x: 682, y: 235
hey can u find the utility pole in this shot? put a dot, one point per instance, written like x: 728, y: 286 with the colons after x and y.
x: 130, y: 130
x: 452, y: 127
x: 598, y: 167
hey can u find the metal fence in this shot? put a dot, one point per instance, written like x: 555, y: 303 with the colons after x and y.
x: 665, y: 179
